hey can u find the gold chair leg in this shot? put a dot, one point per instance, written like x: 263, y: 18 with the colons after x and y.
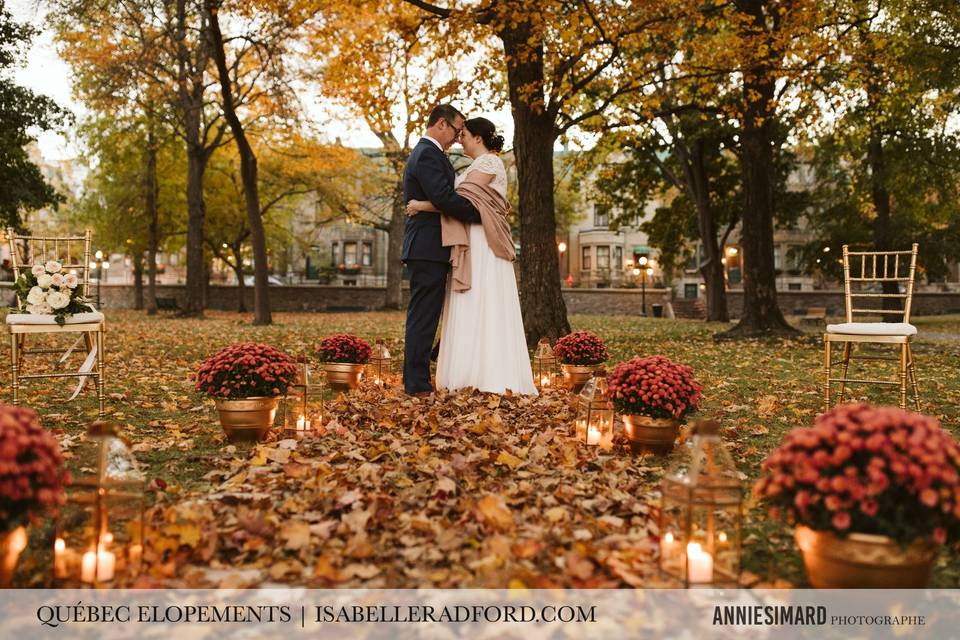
x: 14, y: 368
x: 847, y: 348
x: 912, y: 372
x: 826, y: 373
x: 100, y: 370
x: 903, y: 376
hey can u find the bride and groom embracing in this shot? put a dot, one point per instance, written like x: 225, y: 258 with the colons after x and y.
x: 459, y: 254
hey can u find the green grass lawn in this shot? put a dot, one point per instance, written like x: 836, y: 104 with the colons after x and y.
x: 758, y: 390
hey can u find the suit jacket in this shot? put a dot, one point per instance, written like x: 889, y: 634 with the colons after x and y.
x: 430, y: 176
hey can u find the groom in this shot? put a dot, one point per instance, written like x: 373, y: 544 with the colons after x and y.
x: 429, y: 176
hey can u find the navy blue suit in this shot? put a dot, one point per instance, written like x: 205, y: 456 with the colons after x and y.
x: 428, y: 176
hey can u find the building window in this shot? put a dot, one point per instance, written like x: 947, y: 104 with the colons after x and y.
x: 690, y: 290
x: 618, y: 258
x: 601, y: 216
x: 585, y: 259
x: 335, y: 253
x: 794, y: 286
x: 603, y: 257
x: 350, y: 254
x: 367, y: 255
x: 778, y: 256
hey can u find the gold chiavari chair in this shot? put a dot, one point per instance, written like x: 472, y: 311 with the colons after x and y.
x: 74, y: 254
x: 864, y: 275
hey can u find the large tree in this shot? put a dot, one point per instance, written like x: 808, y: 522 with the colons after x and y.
x: 23, y: 114
x: 566, y: 62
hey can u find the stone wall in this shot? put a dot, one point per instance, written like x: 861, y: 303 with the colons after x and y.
x: 579, y: 301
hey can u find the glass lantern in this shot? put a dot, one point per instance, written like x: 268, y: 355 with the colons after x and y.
x: 545, y: 372
x: 99, y: 533
x: 595, y: 412
x: 380, y: 367
x: 303, y: 403
x: 701, y: 514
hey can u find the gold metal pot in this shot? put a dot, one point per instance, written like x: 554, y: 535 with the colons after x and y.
x: 576, y: 375
x: 11, y: 544
x: 343, y: 376
x: 650, y: 435
x: 865, y: 561
x: 247, y: 419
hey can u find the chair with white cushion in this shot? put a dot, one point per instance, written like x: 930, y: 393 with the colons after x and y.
x: 74, y: 254
x: 864, y: 296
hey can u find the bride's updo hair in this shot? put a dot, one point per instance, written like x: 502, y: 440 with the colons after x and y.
x: 487, y: 132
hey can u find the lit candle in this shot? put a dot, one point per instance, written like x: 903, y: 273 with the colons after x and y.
x: 59, y: 558
x: 136, y: 552
x: 301, y: 423
x: 699, y: 564
x: 545, y: 381
x: 103, y: 563
x: 722, y: 537
x: 667, y: 546
x: 593, y: 435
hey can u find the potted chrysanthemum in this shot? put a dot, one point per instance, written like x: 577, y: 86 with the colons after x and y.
x: 580, y: 353
x: 653, y: 395
x: 343, y: 357
x: 873, y: 492
x: 32, y: 479
x: 246, y: 380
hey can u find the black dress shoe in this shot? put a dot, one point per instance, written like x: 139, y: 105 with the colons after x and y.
x: 435, y: 352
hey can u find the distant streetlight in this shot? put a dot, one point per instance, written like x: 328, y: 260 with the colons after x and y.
x: 732, y: 251
x: 643, y: 261
x: 561, y: 247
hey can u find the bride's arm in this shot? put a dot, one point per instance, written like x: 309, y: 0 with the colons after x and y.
x: 420, y: 206
x: 479, y: 177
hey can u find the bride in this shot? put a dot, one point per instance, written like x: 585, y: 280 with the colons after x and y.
x: 482, y: 343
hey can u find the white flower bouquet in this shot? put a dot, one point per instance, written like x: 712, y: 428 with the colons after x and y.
x: 46, y: 289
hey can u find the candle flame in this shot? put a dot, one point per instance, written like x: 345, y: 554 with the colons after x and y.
x: 59, y: 545
x: 668, y: 538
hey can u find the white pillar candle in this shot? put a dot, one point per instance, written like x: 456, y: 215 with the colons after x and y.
x: 593, y: 435
x: 301, y: 423
x: 59, y: 558
x: 102, y: 563
x: 545, y: 381
x: 699, y: 564
x: 136, y: 553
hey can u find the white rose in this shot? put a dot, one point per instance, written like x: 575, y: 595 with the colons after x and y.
x: 56, y: 279
x: 71, y: 280
x: 53, y: 266
x: 44, y: 280
x: 36, y: 295
x: 42, y: 309
x: 37, y: 269
x: 57, y: 300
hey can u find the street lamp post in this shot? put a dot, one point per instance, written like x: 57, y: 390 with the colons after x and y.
x: 100, y: 264
x: 562, y: 249
x: 641, y: 270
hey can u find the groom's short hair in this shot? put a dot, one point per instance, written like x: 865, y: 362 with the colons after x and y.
x: 445, y: 111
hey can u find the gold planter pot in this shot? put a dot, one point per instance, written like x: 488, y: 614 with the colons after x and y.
x: 865, y: 561
x: 247, y: 419
x: 11, y: 544
x: 650, y: 435
x: 343, y: 376
x: 577, y: 375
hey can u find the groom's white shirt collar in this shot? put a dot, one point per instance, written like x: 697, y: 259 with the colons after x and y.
x: 439, y: 146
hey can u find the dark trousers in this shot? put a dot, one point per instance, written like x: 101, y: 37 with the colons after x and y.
x: 428, y: 281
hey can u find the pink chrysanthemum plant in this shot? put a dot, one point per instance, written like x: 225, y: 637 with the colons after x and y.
x: 865, y: 469
x: 246, y: 370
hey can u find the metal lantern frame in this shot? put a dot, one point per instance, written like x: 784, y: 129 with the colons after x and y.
x: 303, y: 406
x: 546, y: 367
x: 99, y: 533
x: 701, y: 514
x: 595, y: 414
x: 380, y: 367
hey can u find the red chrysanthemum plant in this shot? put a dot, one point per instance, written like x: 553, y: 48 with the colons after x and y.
x: 246, y: 370
x: 581, y: 348
x: 654, y: 386
x: 344, y: 348
x: 864, y: 469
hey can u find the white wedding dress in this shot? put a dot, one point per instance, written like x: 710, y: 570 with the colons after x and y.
x: 482, y: 344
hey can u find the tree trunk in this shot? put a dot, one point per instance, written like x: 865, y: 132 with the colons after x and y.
x: 761, y: 314
x: 191, y: 104
x: 541, y: 298
x: 882, y: 228
x: 152, y: 216
x: 241, y: 285
x: 712, y: 267
x: 137, y: 259
x: 398, y: 218
x: 248, y: 171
